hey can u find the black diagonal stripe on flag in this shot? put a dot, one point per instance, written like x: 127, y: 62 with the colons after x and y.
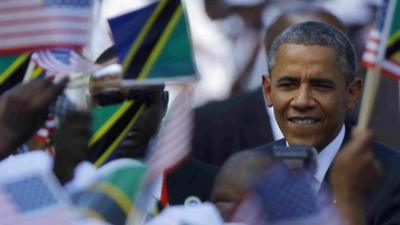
x: 150, y: 41
x: 16, y: 77
x: 393, y: 49
x: 100, y: 146
x: 102, y: 204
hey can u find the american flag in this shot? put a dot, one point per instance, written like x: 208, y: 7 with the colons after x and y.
x: 285, y: 197
x: 36, y: 24
x: 378, y: 46
x: 62, y: 61
x: 31, y: 201
x: 174, y: 140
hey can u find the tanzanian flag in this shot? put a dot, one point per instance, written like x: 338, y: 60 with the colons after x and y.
x: 111, y: 198
x: 391, y: 65
x: 383, y: 44
x: 110, y: 126
x: 12, y: 70
x: 153, y: 44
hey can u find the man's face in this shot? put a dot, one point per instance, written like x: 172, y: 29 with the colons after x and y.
x: 309, y: 94
x: 106, y: 91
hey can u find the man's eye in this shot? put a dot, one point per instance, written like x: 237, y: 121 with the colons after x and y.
x: 323, y: 87
x: 287, y: 86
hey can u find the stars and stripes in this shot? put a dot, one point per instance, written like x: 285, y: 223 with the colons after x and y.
x: 36, y: 24
x: 174, y: 140
x: 383, y: 44
x: 62, y: 61
x: 31, y: 201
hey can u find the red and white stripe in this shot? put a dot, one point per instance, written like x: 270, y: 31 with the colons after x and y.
x: 29, y: 24
x: 174, y: 141
x: 372, y: 46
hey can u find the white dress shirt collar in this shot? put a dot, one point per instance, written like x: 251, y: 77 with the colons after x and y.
x: 326, y: 156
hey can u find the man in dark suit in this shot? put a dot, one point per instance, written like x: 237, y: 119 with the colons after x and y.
x: 225, y: 127
x: 311, y: 86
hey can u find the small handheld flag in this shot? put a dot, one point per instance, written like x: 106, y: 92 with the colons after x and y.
x: 12, y: 70
x: 378, y: 59
x: 110, y: 126
x: 36, y: 24
x: 153, y: 44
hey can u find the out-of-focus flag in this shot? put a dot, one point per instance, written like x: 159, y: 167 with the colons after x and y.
x: 285, y: 197
x: 172, y: 145
x: 112, y: 196
x: 62, y: 61
x: 383, y: 44
x: 32, y: 200
x: 36, y: 24
x: 153, y: 44
x: 110, y: 126
x: 174, y: 141
x: 12, y: 70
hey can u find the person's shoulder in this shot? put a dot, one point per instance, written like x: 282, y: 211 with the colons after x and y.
x: 389, y: 157
x: 194, y: 166
x: 267, y: 148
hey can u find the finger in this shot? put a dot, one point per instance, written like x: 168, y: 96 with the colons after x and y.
x: 49, y: 94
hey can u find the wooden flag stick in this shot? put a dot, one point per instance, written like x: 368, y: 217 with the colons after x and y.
x: 29, y: 71
x: 368, y: 100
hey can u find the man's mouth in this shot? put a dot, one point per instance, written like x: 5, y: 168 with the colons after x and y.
x: 304, y: 121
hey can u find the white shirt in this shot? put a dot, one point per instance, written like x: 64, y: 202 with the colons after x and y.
x: 326, y: 156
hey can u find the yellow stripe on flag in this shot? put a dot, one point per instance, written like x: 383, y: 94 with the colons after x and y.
x: 14, y: 66
x: 393, y: 38
x: 114, y: 193
x: 107, y: 125
x: 143, y: 34
x: 92, y: 214
x: 161, y: 43
x: 109, y: 150
x: 36, y: 72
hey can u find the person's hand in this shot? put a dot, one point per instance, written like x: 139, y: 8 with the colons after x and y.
x: 71, y: 144
x: 23, y: 110
x: 353, y: 173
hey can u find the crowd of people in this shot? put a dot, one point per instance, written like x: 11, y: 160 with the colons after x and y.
x: 285, y: 151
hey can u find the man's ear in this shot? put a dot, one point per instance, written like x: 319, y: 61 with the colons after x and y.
x: 164, y: 100
x: 353, y: 93
x: 266, y: 83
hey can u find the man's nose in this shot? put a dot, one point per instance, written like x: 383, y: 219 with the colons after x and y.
x: 303, y: 99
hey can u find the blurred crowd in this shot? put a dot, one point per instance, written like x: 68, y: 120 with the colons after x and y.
x: 272, y: 141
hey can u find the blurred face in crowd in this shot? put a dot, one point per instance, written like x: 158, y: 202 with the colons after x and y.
x: 107, y: 90
x: 309, y: 94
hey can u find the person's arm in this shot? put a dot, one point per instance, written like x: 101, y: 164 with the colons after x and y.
x: 23, y: 110
x: 354, y: 172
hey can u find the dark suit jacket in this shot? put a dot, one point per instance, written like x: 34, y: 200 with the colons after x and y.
x: 191, y: 178
x: 224, y: 127
x: 383, y: 202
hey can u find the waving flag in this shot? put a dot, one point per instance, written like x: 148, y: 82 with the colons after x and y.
x: 110, y: 126
x: 12, y: 70
x: 174, y: 141
x: 62, y: 61
x: 153, y: 44
x: 384, y: 40
x: 36, y: 24
x: 32, y: 200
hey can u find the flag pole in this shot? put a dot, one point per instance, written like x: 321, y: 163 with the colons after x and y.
x: 373, y: 74
x: 370, y: 89
x: 29, y: 71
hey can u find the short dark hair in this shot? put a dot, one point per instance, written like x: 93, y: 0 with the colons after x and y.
x: 317, y: 33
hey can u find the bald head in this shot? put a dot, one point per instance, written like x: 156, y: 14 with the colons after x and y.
x: 236, y: 176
